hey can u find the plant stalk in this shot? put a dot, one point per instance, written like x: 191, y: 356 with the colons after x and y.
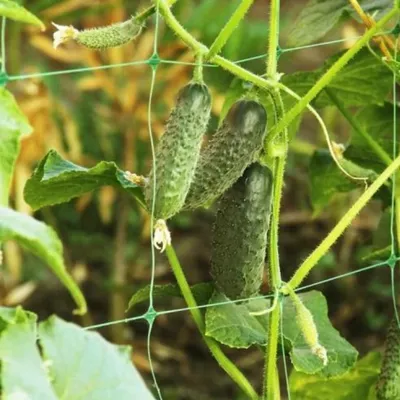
x: 271, y: 384
x: 271, y: 374
x: 340, y: 227
x: 273, y: 39
x: 229, y: 27
x: 227, y: 365
x: 148, y: 12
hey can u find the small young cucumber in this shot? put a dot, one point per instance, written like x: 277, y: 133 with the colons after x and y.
x: 388, y: 385
x: 178, y: 150
x: 233, y: 147
x: 109, y: 36
x: 240, y: 234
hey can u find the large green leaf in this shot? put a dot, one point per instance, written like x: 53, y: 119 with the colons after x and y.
x: 83, y: 365
x: 23, y: 375
x: 201, y: 292
x: 318, y: 17
x: 355, y: 384
x: 327, y: 180
x: 12, y: 10
x: 41, y: 240
x: 378, y: 123
x: 13, y: 127
x: 355, y: 85
x: 60, y: 360
x: 56, y: 180
x: 233, y: 325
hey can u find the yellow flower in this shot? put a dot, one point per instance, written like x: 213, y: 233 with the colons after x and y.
x: 63, y: 34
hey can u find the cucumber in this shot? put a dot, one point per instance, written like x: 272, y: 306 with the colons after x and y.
x: 233, y: 147
x: 388, y: 385
x: 109, y: 36
x: 240, y: 234
x: 178, y: 150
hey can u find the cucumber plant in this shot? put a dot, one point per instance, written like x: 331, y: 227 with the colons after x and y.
x: 242, y: 169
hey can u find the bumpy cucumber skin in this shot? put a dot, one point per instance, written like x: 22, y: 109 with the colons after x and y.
x: 178, y: 150
x: 388, y: 385
x: 109, y: 36
x: 233, y: 147
x: 240, y: 234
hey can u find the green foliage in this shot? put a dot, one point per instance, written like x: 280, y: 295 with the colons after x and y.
x: 14, y: 11
x: 201, y: 292
x: 56, y: 181
x: 318, y: 17
x: 355, y: 384
x: 41, y: 240
x: 326, y: 180
x: 378, y: 122
x: 355, y: 85
x: 13, y: 127
x: 233, y: 325
x: 240, y: 234
x: 178, y: 151
x: 71, y: 363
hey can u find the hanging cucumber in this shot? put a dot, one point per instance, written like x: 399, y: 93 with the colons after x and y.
x: 388, y: 385
x: 233, y: 147
x: 240, y: 234
x: 101, y: 38
x: 178, y: 151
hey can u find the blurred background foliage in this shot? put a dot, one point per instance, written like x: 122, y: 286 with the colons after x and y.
x: 103, y: 115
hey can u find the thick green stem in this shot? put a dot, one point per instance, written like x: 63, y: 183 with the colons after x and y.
x: 274, y: 266
x: 148, y: 12
x: 228, y: 29
x: 224, y: 362
x: 273, y: 38
x: 271, y: 374
x: 179, y: 30
x: 271, y: 383
x: 340, y: 227
x: 331, y: 73
x: 372, y: 143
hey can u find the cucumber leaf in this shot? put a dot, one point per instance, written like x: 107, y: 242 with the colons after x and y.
x: 315, y: 20
x: 22, y: 373
x: 327, y: 180
x: 56, y: 181
x: 41, y: 240
x: 355, y: 384
x: 14, y: 11
x: 201, y: 292
x: 318, y: 17
x: 13, y: 127
x: 354, y: 85
x: 60, y: 360
x: 378, y: 123
x: 233, y: 325
x: 84, y: 365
